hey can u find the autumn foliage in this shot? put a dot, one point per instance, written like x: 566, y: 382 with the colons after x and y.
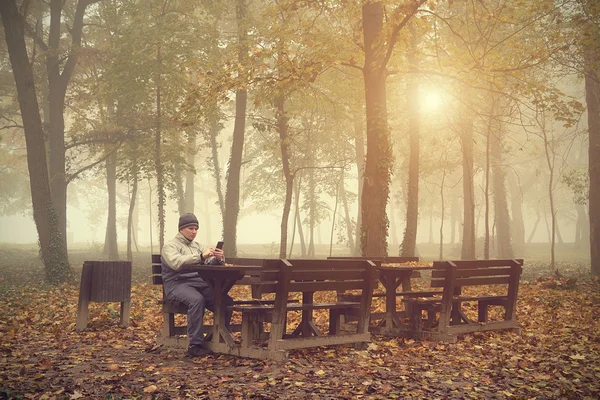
x: 43, y: 357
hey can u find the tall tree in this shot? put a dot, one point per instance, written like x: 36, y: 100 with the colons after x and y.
x: 591, y: 51
x: 501, y: 216
x: 60, y: 70
x: 111, y: 248
x: 51, y: 237
x: 412, y: 200
x: 232, y: 195
x: 379, y: 42
x: 468, y: 250
x: 281, y: 125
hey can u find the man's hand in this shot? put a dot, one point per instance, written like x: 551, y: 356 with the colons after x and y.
x: 208, y: 253
x: 218, y: 253
x: 211, y: 251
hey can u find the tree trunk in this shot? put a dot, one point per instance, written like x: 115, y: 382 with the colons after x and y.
x: 378, y: 166
x: 214, y: 147
x: 178, y: 178
x: 359, y: 144
x: 312, y: 207
x: 135, y: 219
x: 295, y: 217
x: 468, y: 235
x: 298, y: 222
x: 190, y: 196
x: 486, y: 193
x: 52, y: 240
x: 347, y: 215
x: 592, y: 98
x: 232, y: 195
x: 160, y: 179
x: 57, y: 87
x: 303, y: 249
x: 334, y: 214
x: 442, y: 198
x: 298, y: 219
x: 412, y: 204
x: 455, y: 220
x: 582, y: 232
x: 518, y: 223
x: 282, y: 129
x: 504, y: 248
x: 150, y: 216
x: 550, y: 160
x: 430, y: 241
x: 130, y: 215
x: 110, y: 241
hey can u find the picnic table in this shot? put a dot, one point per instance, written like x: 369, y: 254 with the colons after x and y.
x: 392, y: 277
x: 279, y: 278
x: 221, y: 278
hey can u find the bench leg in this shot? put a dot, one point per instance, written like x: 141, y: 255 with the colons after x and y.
x: 482, y: 312
x: 125, y: 311
x: 335, y: 321
x: 82, y: 314
x: 251, y: 328
x: 168, y: 328
x: 416, y: 316
x: 483, y: 306
x: 85, y: 290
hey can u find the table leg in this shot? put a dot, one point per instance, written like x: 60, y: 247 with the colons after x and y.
x: 220, y: 332
x: 307, y: 326
x: 391, y: 282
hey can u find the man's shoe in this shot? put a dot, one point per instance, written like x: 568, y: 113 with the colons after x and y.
x: 197, y: 350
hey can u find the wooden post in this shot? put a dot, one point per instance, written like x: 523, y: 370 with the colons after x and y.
x: 85, y: 288
x: 104, y: 282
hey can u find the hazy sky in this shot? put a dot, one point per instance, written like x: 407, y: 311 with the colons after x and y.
x: 252, y: 229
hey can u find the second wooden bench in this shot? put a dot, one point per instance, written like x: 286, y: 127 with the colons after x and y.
x: 284, y: 277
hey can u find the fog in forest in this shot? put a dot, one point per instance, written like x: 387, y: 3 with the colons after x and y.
x: 340, y: 122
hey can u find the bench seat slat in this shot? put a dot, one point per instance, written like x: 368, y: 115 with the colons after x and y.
x: 475, y: 281
x: 456, y: 298
x: 295, y: 306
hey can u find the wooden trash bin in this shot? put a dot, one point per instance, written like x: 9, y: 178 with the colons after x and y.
x: 104, y: 282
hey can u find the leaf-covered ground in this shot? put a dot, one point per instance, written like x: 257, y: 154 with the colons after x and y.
x: 557, y: 356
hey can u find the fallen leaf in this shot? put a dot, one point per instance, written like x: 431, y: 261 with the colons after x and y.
x: 150, y: 389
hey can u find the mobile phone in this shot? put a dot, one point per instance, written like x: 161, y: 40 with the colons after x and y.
x: 220, y: 244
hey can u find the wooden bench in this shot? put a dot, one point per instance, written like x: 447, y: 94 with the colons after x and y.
x: 453, y: 277
x: 174, y: 335
x: 170, y: 332
x: 406, y: 285
x: 284, y: 277
x: 387, y: 260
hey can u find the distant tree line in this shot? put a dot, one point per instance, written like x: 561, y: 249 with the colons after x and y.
x: 326, y: 101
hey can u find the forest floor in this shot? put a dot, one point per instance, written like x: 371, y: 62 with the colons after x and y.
x: 557, y: 356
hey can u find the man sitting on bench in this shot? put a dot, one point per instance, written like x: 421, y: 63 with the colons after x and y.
x: 186, y: 286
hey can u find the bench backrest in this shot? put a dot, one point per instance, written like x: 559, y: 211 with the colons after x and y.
x: 244, y: 261
x: 156, y: 270
x: 476, y: 273
x: 301, y: 275
x: 384, y: 260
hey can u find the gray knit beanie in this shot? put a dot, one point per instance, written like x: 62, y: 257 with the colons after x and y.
x: 186, y: 220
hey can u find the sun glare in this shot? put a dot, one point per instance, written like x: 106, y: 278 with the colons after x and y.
x: 431, y: 99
